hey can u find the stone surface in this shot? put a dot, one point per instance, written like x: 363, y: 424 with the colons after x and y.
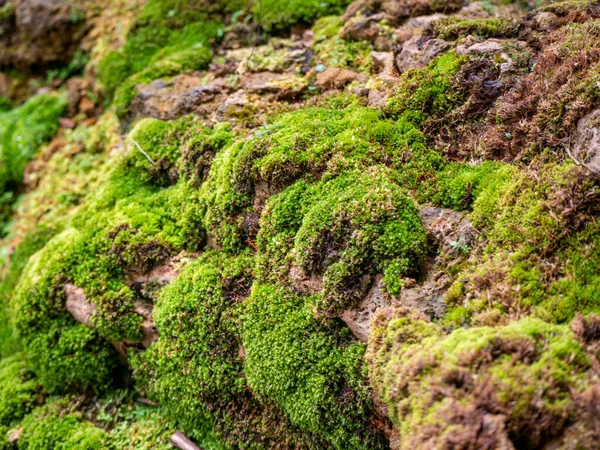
x: 78, y: 305
x: 377, y: 98
x: 488, y: 47
x: 307, y: 284
x: 41, y: 32
x: 182, y: 95
x: 585, y: 142
x: 335, y: 78
x: 358, y: 318
x: 416, y: 53
x: 384, y: 64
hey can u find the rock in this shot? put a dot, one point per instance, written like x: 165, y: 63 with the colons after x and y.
x: 424, y: 21
x: 182, y: 95
x: 585, y: 143
x: 360, y: 7
x: 488, y: 47
x: 427, y: 297
x: 358, y: 318
x: 78, y: 305
x: 282, y: 85
x: 306, y: 284
x: 41, y: 32
x: 452, y: 232
x: 384, y: 64
x: 416, y: 53
x: 74, y: 88
x: 363, y: 28
x: 67, y: 123
x: 234, y: 104
x: 86, y: 106
x: 335, y: 78
x: 545, y: 20
x: 400, y: 10
x: 377, y: 98
x: 149, y: 331
x: 182, y: 442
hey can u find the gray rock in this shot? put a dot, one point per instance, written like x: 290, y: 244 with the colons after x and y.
x: 488, y: 47
x: 358, y: 318
x: 377, y: 98
x: 383, y: 62
x: 417, y: 54
x: 585, y: 142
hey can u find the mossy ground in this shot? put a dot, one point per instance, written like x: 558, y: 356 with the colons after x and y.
x: 328, y: 191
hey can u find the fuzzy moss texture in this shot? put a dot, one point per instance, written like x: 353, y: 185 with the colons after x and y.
x: 249, y: 244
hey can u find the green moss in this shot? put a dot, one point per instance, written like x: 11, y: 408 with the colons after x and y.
x: 165, y: 39
x: 276, y: 15
x: 459, y: 186
x: 305, y: 144
x: 306, y: 366
x: 129, y: 224
x: 331, y: 50
x: 527, y: 369
x: 22, y: 131
x: 194, y: 370
x: 377, y: 229
x: 52, y: 428
x: 20, y: 392
x: 5, y: 104
x: 423, y: 93
x: 532, y: 230
x: 453, y: 28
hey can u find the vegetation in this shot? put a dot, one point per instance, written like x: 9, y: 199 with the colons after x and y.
x: 384, y: 260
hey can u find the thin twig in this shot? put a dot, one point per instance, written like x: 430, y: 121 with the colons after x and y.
x: 139, y: 147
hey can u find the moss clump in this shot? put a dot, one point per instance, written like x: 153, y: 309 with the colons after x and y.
x: 166, y: 38
x: 334, y: 51
x: 530, y: 223
x: 196, y: 369
x: 442, y: 390
x: 307, y: 366
x: 129, y: 225
x: 24, y: 129
x: 53, y: 427
x: 20, y: 392
x: 453, y: 28
x: 5, y: 104
x: 344, y: 229
x: 276, y: 15
x: 304, y: 144
x: 459, y: 186
x: 425, y: 93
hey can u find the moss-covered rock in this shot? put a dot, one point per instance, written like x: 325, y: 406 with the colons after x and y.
x: 345, y: 229
x: 310, y: 368
x: 488, y: 387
